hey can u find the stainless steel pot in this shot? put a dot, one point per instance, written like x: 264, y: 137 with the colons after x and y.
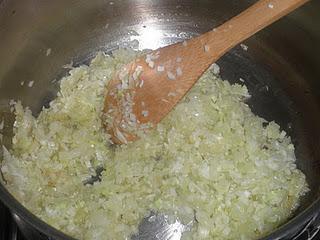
x: 285, y: 58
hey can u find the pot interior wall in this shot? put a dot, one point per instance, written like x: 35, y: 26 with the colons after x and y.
x: 281, y: 67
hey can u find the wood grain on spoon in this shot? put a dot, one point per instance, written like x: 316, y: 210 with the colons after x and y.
x: 140, y: 100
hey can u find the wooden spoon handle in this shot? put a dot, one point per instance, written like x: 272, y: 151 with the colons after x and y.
x: 200, y: 52
x: 246, y: 24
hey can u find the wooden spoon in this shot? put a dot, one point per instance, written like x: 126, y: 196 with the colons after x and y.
x: 143, y: 92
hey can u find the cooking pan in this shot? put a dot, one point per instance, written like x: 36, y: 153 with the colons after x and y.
x: 281, y: 68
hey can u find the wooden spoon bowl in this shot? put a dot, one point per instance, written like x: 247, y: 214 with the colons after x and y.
x: 144, y: 91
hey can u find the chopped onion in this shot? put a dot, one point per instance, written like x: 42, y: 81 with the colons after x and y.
x: 211, y: 159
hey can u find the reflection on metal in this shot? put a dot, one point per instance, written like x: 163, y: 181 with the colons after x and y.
x: 149, y: 37
x: 161, y: 227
